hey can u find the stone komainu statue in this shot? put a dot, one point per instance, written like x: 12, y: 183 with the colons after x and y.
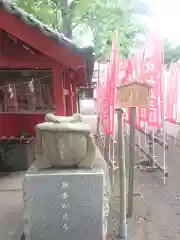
x: 66, y: 142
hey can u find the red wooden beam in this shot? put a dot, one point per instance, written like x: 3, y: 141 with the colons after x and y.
x: 39, y: 41
x: 29, y: 58
x: 13, y: 46
x: 25, y: 63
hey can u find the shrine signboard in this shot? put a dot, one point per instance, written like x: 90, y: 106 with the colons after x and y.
x: 133, y: 95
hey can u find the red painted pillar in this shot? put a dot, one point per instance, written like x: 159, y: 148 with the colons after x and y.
x: 74, y: 98
x: 69, y: 104
x: 58, y: 90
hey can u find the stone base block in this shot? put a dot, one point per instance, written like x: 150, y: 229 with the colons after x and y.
x: 64, y: 204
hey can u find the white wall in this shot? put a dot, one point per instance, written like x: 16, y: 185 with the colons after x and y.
x: 87, y: 106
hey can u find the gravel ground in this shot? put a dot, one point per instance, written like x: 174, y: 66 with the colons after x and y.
x: 157, y: 212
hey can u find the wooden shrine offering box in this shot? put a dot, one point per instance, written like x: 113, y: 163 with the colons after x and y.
x: 133, y: 95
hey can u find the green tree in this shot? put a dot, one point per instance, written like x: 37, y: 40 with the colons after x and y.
x: 171, y: 52
x: 101, y: 16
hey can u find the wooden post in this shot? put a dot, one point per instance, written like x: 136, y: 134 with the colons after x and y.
x: 58, y: 90
x: 69, y: 103
x: 131, y: 161
x: 74, y: 97
x: 122, y: 176
x: 131, y: 95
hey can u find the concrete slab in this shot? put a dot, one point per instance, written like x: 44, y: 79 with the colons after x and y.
x: 11, y: 181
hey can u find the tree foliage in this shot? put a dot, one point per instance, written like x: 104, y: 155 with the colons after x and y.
x: 101, y: 16
x: 172, y: 52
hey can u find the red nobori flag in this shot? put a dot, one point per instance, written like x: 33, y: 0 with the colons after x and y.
x: 172, y: 92
x: 137, y: 66
x: 107, y: 113
x: 135, y: 70
x: 141, y: 117
x: 152, y: 75
x: 123, y: 68
x: 122, y: 71
x: 101, y: 97
x: 122, y: 76
x: 141, y: 113
x: 112, y: 82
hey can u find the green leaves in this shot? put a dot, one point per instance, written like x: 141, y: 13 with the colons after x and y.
x: 44, y: 10
x: 171, y: 53
x: 102, y: 16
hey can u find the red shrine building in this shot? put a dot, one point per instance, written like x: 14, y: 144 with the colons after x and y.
x: 40, y: 70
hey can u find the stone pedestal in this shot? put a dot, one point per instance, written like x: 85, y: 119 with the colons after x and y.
x: 64, y: 204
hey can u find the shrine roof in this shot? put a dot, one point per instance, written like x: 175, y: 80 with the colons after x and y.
x: 29, y: 19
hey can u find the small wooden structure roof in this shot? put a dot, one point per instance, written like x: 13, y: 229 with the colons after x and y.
x: 142, y: 84
x: 50, y: 43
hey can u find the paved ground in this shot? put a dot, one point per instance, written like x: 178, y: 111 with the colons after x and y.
x: 10, y: 205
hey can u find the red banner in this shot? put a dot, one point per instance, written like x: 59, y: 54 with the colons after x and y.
x: 102, y: 105
x: 133, y: 72
x: 122, y: 71
x: 147, y: 67
x: 122, y: 68
x: 107, y: 100
x: 137, y: 65
x: 172, y: 103
x: 152, y: 75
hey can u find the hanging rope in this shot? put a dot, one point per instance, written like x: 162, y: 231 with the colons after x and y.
x: 34, y: 80
x: 10, y: 91
x: 31, y: 85
x: 22, y: 88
